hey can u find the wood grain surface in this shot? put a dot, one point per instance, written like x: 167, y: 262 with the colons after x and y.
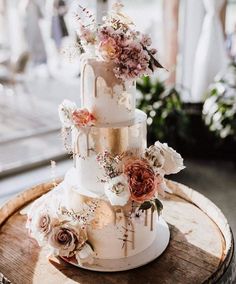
x: 200, y: 248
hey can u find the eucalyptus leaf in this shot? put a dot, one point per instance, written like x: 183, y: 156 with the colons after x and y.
x: 145, y: 205
x: 159, y: 205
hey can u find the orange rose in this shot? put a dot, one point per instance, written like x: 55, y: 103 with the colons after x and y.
x: 142, y: 180
x: 83, y: 118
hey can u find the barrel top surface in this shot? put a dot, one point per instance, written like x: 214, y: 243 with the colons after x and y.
x: 199, y: 250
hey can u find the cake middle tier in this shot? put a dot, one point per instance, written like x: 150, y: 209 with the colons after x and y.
x: 116, y: 139
x: 110, y: 99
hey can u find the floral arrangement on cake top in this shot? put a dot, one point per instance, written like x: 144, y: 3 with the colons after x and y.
x: 117, y: 41
x: 139, y: 178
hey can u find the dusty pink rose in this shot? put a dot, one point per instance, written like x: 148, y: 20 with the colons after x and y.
x: 109, y: 49
x: 83, y: 117
x: 65, y: 239
x: 142, y: 179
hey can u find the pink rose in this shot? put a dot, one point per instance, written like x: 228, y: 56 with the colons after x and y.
x: 83, y: 117
x: 142, y: 179
x: 109, y: 49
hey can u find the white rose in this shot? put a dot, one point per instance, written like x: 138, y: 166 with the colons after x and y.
x: 41, y: 219
x: 173, y: 162
x: 43, y: 214
x: 85, y: 254
x: 117, y: 190
x: 65, y: 110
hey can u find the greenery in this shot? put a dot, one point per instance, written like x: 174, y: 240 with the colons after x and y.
x: 167, y: 120
x: 154, y: 204
x: 219, y: 110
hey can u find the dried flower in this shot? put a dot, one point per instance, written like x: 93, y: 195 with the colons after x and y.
x: 142, y: 180
x: 115, y: 40
x: 155, y: 158
x: 110, y: 164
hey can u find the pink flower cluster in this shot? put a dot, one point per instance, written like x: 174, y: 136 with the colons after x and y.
x: 128, y: 50
x: 82, y: 118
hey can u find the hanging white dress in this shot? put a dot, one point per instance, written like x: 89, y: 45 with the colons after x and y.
x: 33, y: 33
x: 210, y: 55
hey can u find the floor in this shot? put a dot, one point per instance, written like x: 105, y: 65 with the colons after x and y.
x: 29, y: 123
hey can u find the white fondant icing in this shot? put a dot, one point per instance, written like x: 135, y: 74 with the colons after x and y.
x: 108, y: 98
x: 108, y: 241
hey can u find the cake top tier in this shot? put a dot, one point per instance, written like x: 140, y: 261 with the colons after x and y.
x: 110, y: 99
x: 116, y: 41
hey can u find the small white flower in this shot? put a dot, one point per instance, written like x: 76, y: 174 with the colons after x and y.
x: 65, y: 110
x: 85, y: 254
x: 117, y: 190
x: 173, y: 162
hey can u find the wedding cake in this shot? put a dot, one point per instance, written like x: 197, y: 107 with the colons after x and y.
x: 107, y: 206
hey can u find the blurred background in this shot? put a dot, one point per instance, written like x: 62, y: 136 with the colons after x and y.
x: 192, y: 106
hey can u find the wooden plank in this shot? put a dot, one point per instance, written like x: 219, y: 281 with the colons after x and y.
x: 197, y: 251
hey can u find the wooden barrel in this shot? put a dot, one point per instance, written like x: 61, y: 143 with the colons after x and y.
x: 200, y: 249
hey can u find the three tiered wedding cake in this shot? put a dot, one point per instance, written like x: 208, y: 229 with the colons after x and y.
x: 107, y: 207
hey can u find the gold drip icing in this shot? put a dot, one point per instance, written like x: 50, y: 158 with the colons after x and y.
x: 83, y: 79
x: 76, y: 144
x: 118, y: 214
x: 151, y: 221
x: 146, y: 218
x: 132, y: 235
x: 87, y: 143
x: 105, y: 70
x: 95, y: 87
x: 126, y: 237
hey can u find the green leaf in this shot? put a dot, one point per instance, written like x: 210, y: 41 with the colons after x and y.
x: 145, y: 205
x: 159, y: 206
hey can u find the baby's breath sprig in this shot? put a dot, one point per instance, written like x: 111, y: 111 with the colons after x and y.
x: 109, y: 163
x: 85, y: 17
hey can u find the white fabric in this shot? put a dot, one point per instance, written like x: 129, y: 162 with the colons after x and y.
x: 210, y: 55
x: 190, y: 25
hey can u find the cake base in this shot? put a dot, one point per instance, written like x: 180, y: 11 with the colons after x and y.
x: 158, y: 246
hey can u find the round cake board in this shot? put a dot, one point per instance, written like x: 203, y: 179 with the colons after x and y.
x: 158, y: 246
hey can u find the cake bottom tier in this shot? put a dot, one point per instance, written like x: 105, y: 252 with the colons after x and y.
x: 117, y: 240
x: 114, y: 232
